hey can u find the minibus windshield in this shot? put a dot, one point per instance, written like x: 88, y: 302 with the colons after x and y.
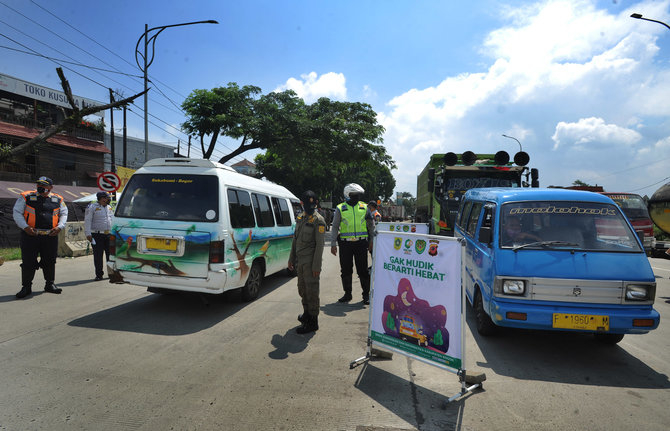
x: 171, y: 197
x: 565, y: 226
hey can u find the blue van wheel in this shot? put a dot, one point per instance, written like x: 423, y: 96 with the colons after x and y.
x: 253, y: 284
x: 485, y: 325
x: 608, y: 338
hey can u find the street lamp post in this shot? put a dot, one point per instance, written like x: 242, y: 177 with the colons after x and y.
x: 512, y: 137
x: 639, y: 16
x: 147, y: 62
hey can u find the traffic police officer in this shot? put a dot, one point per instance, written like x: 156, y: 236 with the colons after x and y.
x: 355, y: 225
x: 97, y: 224
x: 306, y: 258
x: 41, y: 215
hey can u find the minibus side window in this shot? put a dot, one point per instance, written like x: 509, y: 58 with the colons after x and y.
x: 282, y: 215
x: 474, y: 217
x: 464, y: 214
x: 262, y: 210
x: 239, y: 206
x: 486, y: 229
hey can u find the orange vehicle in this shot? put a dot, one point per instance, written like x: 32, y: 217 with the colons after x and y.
x: 635, y: 209
x: 409, y: 328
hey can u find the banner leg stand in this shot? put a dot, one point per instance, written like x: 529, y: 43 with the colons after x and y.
x: 474, y: 380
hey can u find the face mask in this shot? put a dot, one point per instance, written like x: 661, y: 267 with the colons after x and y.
x: 41, y: 190
x: 309, y: 208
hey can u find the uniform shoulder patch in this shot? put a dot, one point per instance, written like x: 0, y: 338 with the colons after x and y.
x: 322, y: 229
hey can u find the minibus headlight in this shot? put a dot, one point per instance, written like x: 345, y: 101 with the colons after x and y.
x: 514, y: 287
x: 639, y: 292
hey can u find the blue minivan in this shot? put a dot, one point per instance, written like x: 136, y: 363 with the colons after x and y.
x: 554, y: 259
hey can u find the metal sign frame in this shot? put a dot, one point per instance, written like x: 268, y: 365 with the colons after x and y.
x: 461, y: 371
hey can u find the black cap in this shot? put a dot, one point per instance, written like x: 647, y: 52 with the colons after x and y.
x: 101, y: 195
x: 44, y: 181
x: 372, y: 204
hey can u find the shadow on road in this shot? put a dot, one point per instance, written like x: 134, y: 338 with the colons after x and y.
x: 176, y: 313
x: 340, y: 309
x: 562, y: 357
x: 404, y: 397
x: 290, y: 342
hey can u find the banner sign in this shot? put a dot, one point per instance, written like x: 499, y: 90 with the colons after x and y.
x: 416, y: 304
x: 402, y: 227
x: 44, y: 94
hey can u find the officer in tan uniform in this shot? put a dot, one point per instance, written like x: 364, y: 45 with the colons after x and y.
x: 306, y: 258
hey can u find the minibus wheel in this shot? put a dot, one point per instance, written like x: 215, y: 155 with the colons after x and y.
x: 485, y: 325
x: 253, y: 284
x: 608, y: 338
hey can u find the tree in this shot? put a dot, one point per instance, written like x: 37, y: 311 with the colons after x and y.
x: 321, y: 146
x: 409, y: 202
x: 72, y: 120
x: 581, y: 183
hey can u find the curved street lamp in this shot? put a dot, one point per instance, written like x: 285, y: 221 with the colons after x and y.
x: 639, y: 16
x: 512, y: 137
x: 147, y: 62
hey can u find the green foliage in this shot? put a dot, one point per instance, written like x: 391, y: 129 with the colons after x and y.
x: 409, y: 202
x: 581, y: 183
x: 10, y: 253
x: 322, y: 146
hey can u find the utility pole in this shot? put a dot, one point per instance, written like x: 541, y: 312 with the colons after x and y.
x: 111, y: 129
x: 125, y: 138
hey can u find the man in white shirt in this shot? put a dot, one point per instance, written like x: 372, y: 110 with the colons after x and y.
x: 97, y: 226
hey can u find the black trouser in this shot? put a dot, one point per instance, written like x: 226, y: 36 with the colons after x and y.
x: 354, y: 252
x: 31, y: 246
x: 100, y: 247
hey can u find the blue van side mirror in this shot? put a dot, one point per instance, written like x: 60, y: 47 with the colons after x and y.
x: 485, y: 235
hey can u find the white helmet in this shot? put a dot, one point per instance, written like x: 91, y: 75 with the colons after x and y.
x: 352, y: 188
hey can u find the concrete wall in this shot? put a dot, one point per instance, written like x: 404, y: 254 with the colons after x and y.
x: 72, y: 242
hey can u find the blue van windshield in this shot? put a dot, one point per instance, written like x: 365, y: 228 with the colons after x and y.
x: 566, y: 225
x: 170, y: 197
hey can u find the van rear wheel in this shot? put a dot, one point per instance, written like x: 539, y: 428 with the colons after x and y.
x: 253, y: 284
x: 485, y: 325
x: 608, y: 338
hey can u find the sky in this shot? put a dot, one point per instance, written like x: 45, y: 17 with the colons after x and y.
x: 580, y: 84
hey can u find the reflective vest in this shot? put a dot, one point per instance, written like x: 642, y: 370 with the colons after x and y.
x: 352, y: 224
x: 41, y: 212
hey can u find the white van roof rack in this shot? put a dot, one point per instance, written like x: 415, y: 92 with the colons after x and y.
x: 180, y: 161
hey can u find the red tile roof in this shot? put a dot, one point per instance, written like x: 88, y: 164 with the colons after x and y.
x: 62, y: 140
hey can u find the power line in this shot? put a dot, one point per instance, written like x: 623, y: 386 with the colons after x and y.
x: 650, y: 185
x: 68, y: 62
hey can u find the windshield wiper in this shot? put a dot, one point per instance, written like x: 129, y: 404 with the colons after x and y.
x: 545, y: 244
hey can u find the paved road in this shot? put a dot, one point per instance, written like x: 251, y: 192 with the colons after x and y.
x: 114, y: 357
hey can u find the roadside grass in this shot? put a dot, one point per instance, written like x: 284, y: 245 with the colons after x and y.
x: 11, y: 253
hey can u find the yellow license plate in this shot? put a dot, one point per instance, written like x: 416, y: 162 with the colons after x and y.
x: 586, y: 322
x: 163, y: 244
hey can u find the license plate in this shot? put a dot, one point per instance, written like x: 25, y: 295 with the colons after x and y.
x: 586, y: 322
x: 163, y: 244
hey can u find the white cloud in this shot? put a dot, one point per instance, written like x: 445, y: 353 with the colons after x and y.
x: 556, y: 71
x: 593, y: 133
x: 310, y: 87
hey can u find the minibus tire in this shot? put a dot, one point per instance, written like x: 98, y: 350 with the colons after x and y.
x: 253, y: 284
x: 485, y: 325
x: 608, y: 338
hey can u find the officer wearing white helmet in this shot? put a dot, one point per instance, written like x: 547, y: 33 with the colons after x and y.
x: 352, y: 231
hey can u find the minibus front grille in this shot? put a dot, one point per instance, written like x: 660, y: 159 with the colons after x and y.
x: 575, y: 290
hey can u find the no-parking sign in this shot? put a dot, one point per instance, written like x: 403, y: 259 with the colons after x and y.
x: 109, y: 182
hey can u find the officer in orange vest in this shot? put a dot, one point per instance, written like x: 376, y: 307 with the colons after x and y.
x: 40, y: 215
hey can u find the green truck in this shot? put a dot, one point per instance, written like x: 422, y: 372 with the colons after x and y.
x: 446, y: 178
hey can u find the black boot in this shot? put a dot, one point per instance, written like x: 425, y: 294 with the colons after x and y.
x: 52, y: 288
x: 346, y: 297
x: 311, y: 325
x: 25, y: 291
x: 302, y: 318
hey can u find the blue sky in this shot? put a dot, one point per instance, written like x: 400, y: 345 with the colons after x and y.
x: 583, y: 87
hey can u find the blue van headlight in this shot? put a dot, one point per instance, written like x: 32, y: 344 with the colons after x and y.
x: 514, y: 287
x: 640, y: 292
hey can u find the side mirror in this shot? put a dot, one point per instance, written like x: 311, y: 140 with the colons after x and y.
x: 485, y: 235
